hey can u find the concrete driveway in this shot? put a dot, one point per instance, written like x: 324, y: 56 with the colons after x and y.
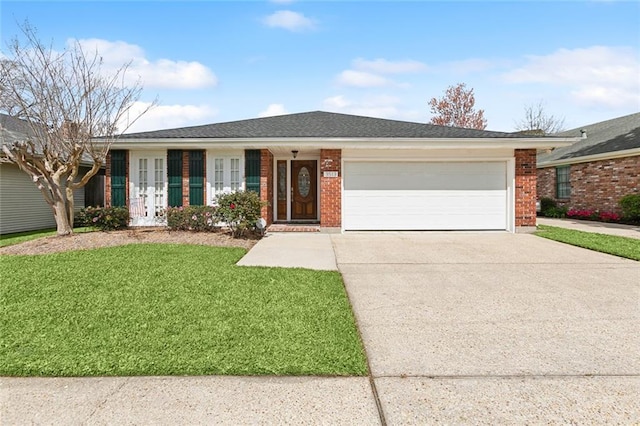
x: 495, y: 327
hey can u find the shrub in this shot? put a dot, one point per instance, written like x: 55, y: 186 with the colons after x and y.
x: 547, y: 204
x: 630, y: 205
x: 609, y: 217
x: 192, y: 218
x: 239, y: 210
x: 583, y: 214
x: 556, y: 212
x: 104, y: 218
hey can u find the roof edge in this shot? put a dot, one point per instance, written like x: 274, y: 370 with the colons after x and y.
x: 588, y: 158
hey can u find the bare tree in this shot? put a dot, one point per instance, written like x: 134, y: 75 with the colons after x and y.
x: 74, y: 111
x: 456, y: 108
x: 536, y: 120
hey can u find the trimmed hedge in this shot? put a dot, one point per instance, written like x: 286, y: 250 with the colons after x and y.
x: 104, y: 218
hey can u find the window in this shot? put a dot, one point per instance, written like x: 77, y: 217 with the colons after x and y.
x: 235, y: 174
x: 219, y: 176
x: 143, y: 180
x: 159, y: 185
x: 563, y: 185
x: 227, y: 176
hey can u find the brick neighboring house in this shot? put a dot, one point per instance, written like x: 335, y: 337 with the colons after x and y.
x: 597, y: 170
x: 341, y: 171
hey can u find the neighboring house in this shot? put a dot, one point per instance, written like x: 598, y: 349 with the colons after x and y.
x: 597, y: 170
x: 22, y: 206
x: 341, y: 171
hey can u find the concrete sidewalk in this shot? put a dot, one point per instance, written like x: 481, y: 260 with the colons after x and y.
x: 293, y: 250
x: 597, y: 227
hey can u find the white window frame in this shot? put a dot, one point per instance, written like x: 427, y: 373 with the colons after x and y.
x: 226, y: 158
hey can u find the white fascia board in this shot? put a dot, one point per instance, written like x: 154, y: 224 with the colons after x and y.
x: 346, y: 143
x: 589, y: 158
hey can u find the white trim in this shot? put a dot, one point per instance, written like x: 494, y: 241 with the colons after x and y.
x: 226, y: 157
x: 347, y: 143
x: 589, y: 158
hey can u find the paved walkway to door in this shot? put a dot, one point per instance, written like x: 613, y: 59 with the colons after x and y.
x: 589, y: 226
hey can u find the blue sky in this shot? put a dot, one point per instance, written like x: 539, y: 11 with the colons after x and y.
x: 213, y: 61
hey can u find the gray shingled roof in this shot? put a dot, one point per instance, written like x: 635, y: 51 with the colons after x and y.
x: 613, y: 135
x: 13, y: 129
x: 319, y: 124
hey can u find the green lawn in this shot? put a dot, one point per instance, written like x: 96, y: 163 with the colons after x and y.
x: 21, y: 237
x: 611, y: 244
x: 167, y: 309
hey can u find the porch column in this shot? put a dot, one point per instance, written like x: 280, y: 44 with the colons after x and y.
x: 525, y: 191
x: 266, y: 184
x: 331, y: 188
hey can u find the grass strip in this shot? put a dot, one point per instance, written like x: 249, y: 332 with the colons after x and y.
x: 611, y: 244
x: 21, y: 237
x: 169, y: 309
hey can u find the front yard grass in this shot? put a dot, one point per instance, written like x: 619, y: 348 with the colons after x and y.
x: 21, y: 237
x: 610, y: 244
x: 168, y: 309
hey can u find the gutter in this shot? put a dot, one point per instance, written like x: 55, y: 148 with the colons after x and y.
x: 588, y: 158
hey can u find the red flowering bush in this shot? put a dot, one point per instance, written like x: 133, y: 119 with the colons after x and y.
x: 582, y: 214
x: 239, y: 210
x: 608, y: 217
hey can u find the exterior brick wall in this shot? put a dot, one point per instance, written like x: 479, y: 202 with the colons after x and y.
x: 330, y: 188
x: 185, y: 178
x: 266, y: 184
x: 596, y: 185
x: 107, y: 179
x: 525, y: 214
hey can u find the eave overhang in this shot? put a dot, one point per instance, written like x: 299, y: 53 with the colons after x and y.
x: 344, y: 143
x: 589, y: 158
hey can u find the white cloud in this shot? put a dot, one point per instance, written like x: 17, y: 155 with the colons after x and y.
x: 170, y: 116
x: 595, y: 75
x: 382, y: 66
x: 382, y: 106
x: 273, y: 109
x: 365, y: 73
x: 292, y: 21
x: 162, y: 73
x: 361, y: 79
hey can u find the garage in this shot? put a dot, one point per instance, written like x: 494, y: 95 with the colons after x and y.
x: 408, y: 195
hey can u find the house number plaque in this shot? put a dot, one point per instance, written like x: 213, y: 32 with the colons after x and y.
x: 329, y: 174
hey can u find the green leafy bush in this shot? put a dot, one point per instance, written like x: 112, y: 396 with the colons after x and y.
x: 104, y: 218
x: 192, y: 218
x: 240, y: 211
x: 556, y: 212
x: 546, y: 204
x: 630, y: 205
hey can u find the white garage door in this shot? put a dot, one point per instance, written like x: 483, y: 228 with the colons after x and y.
x: 425, y: 196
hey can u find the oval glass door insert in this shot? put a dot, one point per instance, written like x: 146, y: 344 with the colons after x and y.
x: 304, y: 182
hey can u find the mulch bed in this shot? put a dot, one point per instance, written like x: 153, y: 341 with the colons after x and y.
x: 92, y: 240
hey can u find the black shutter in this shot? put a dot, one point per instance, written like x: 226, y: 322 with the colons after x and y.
x: 118, y: 178
x: 252, y: 169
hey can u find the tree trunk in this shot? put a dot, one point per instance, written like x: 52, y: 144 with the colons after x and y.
x: 63, y: 225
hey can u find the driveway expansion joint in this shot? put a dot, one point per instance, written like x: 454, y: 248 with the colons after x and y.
x: 504, y: 376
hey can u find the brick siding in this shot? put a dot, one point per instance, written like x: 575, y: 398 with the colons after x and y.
x: 596, y: 185
x: 266, y: 184
x: 525, y: 213
x: 330, y: 188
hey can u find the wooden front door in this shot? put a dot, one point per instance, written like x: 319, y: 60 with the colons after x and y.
x: 304, y: 184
